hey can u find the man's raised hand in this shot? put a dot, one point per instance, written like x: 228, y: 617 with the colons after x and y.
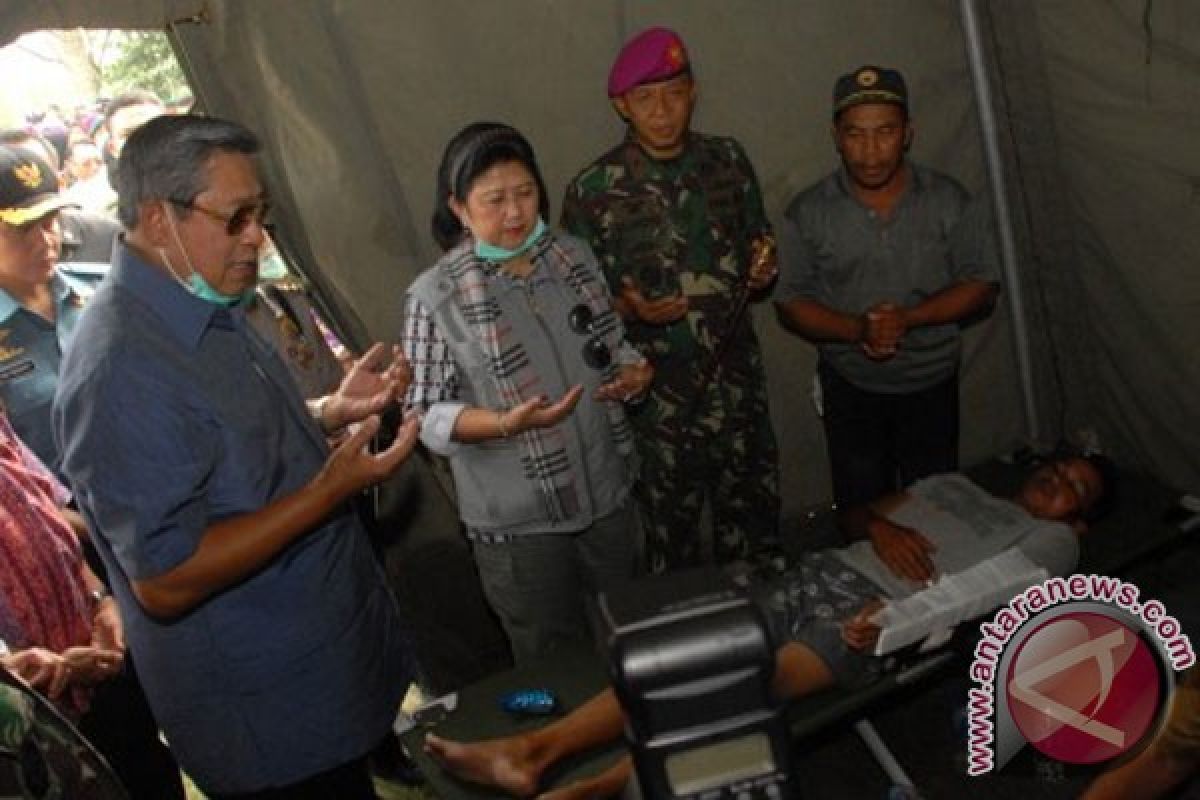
x: 371, y: 384
x: 352, y: 467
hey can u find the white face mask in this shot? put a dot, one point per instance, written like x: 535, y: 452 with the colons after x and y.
x: 195, y: 282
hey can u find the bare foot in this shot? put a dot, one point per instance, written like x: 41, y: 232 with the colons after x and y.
x: 609, y: 783
x: 504, y: 763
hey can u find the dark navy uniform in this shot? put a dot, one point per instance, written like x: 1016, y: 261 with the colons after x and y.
x: 31, y: 350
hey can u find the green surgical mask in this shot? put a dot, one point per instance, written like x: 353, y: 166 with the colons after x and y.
x: 204, y: 290
x: 497, y: 254
x: 195, y: 283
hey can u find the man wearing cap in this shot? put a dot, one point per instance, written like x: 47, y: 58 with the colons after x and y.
x: 882, y: 261
x: 39, y: 304
x: 87, y: 238
x: 676, y: 220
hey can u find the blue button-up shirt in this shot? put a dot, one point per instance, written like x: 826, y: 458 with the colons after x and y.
x: 171, y: 416
x: 31, y: 350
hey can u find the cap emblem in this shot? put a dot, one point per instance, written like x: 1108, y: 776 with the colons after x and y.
x: 28, y: 174
x: 675, y: 55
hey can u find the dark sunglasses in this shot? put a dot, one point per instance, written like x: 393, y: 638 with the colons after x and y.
x: 595, y: 352
x: 236, y: 221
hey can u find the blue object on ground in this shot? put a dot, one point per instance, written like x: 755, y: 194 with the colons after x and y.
x: 529, y: 702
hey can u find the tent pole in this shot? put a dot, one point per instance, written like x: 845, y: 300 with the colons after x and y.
x: 1004, y: 229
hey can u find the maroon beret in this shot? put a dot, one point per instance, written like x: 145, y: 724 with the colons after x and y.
x: 653, y: 55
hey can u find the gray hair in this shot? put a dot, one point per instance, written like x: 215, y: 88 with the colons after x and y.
x: 165, y: 159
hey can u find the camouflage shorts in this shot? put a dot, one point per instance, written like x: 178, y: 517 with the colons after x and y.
x: 808, y: 601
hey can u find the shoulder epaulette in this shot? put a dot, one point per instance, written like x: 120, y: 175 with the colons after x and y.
x: 85, y: 270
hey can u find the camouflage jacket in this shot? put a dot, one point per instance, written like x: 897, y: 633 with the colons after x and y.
x: 42, y: 755
x: 686, y: 224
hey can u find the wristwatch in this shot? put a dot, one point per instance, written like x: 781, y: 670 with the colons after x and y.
x: 316, y: 408
x: 98, y: 596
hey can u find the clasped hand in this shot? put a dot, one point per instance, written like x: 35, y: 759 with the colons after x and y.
x: 884, y: 325
x: 51, y: 673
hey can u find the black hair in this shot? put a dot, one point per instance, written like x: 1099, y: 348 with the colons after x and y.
x: 1106, y: 500
x: 134, y: 97
x: 837, y: 115
x: 685, y: 70
x: 471, y: 152
x: 165, y: 159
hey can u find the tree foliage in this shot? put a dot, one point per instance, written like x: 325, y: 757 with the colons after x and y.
x: 144, y: 61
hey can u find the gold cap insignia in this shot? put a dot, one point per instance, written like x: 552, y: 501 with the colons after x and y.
x: 676, y: 55
x: 28, y: 174
x: 866, y: 78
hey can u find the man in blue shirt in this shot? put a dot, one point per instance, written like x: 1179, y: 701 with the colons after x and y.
x: 264, y: 632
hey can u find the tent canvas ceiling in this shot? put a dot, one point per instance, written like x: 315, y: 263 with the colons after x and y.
x: 1099, y: 108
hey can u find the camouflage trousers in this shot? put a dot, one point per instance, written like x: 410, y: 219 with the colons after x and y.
x: 43, y: 755
x: 726, y: 457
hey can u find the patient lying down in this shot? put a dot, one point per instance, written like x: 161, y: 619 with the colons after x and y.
x: 821, y: 608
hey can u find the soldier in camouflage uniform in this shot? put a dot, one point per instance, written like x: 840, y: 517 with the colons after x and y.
x: 676, y: 220
x: 44, y: 756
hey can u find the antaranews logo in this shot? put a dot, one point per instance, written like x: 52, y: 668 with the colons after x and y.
x: 1077, y: 667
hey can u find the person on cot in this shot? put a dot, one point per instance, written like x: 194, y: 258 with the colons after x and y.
x: 822, y: 608
x: 522, y: 369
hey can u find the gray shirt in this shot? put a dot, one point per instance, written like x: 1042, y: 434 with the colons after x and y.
x: 495, y: 495
x: 968, y: 525
x: 837, y: 252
